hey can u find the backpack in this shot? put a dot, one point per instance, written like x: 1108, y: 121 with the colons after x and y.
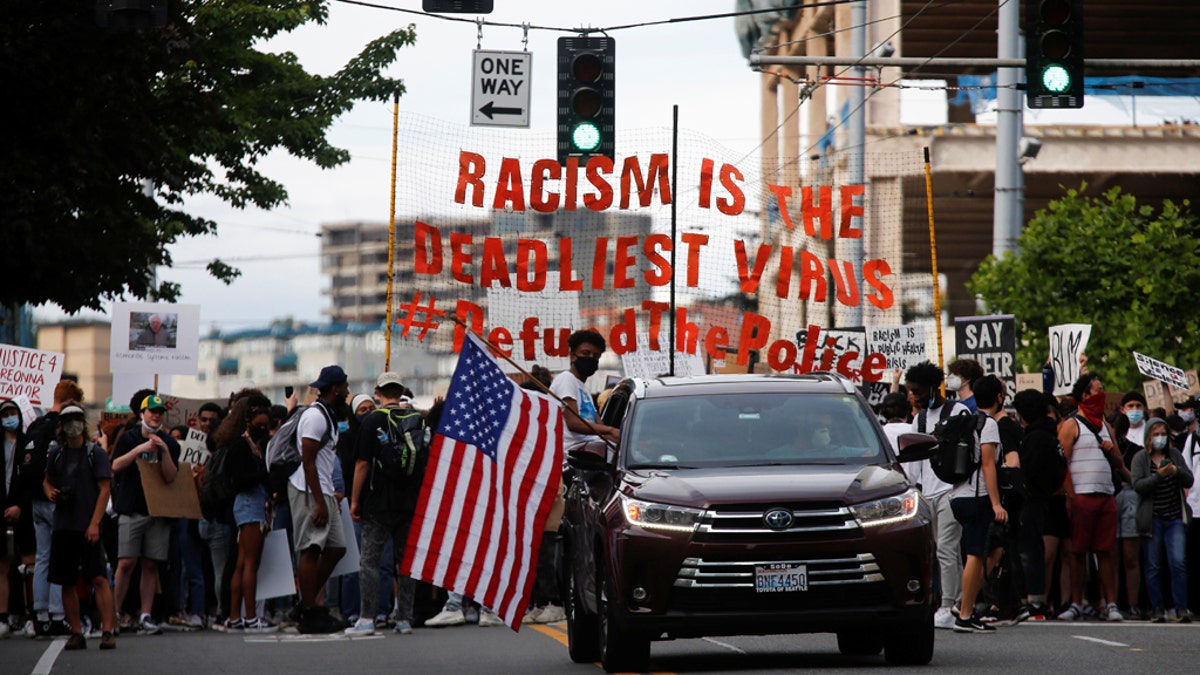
x: 954, y: 460
x: 38, y: 438
x: 216, y: 490
x: 283, y: 450
x: 402, y: 445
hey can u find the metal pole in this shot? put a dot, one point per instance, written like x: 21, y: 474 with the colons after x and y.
x: 957, y: 62
x: 1006, y: 216
x: 387, y: 350
x: 857, y: 132
x: 674, y: 200
x: 937, y: 286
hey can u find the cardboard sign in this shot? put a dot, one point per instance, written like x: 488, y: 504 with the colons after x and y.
x: 992, y: 341
x: 1178, y: 394
x: 155, y: 337
x: 648, y: 363
x: 349, y: 564
x: 194, y: 448
x: 276, y: 577
x: 1161, y: 371
x: 177, y: 499
x: 838, y: 343
x: 31, y: 373
x: 903, y: 346
x: 1067, y: 342
x: 1029, y: 381
x: 1156, y: 396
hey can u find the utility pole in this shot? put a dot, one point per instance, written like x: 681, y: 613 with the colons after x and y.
x: 857, y: 135
x: 1008, y: 211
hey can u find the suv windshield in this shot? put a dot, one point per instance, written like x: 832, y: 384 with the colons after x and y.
x: 750, y: 429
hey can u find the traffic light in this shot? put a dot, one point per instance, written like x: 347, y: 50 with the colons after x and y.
x: 1054, y: 53
x: 586, y: 91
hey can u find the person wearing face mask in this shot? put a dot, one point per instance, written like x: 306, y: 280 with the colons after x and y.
x: 582, y: 420
x: 1160, y: 476
x: 77, y: 481
x: 924, y: 382
x: 12, y: 498
x: 244, y: 434
x: 142, y: 537
x: 962, y: 374
x: 361, y: 405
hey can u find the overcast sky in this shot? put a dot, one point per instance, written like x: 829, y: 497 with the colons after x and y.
x: 697, y: 65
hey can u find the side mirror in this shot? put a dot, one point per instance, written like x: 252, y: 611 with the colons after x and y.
x: 915, y: 447
x: 589, y: 457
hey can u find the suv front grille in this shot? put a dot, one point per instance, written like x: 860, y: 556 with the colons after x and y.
x: 747, y: 524
x: 714, y: 586
x: 700, y: 573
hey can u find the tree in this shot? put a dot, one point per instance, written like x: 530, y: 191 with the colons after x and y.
x: 109, y: 130
x: 1123, y: 267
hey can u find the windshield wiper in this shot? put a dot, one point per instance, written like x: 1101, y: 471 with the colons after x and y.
x: 661, y: 465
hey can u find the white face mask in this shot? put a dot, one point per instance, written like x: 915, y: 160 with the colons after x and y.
x: 1158, y: 442
x: 1187, y: 416
x: 953, y: 383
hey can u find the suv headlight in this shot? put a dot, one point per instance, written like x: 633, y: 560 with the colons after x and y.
x: 888, y: 510
x: 660, y: 516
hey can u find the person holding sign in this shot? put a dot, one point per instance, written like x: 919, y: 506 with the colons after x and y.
x: 142, y: 536
x: 77, y: 481
x: 1160, y: 476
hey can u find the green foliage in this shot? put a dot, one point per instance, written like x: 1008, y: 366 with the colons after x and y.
x: 108, y: 131
x: 1129, y: 271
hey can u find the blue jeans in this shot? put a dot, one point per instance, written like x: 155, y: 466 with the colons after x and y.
x: 191, y: 571
x: 222, y: 541
x: 1167, y: 537
x: 46, y: 596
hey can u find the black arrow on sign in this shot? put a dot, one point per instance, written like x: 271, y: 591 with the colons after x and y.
x: 490, y: 108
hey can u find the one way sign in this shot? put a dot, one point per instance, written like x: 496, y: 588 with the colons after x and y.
x: 500, y: 89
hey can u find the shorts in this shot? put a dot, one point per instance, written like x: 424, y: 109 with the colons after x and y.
x: 1058, y: 523
x: 975, y: 514
x: 250, y: 506
x: 307, y: 535
x: 1093, y: 523
x: 73, y: 557
x: 1127, y: 501
x: 141, y: 536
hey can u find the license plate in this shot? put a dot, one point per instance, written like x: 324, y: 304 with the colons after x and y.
x: 780, y: 578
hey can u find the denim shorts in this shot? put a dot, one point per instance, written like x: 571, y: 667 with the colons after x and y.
x: 250, y: 506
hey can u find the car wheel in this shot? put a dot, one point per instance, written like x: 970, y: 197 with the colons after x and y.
x: 620, y: 651
x: 583, y: 630
x: 857, y: 644
x: 911, y: 645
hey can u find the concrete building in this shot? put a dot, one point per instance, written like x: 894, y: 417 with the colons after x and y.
x: 85, y: 345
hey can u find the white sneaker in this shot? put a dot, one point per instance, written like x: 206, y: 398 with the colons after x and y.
x: 361, y: 627
x: 1113, y: 614
x: 532, y: 615
x: 5, y: 631
x: 551, y: 614
x: 259, y: 625
x: 943, y: 618
x: 446, y: 618
x: 489, y: 618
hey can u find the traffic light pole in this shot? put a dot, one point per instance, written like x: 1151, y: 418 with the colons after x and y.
x: 857, y: 133
x: 1008, y: 209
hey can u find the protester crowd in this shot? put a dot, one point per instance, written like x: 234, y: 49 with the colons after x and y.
x: 1068, y: 510
x: 87, y: 557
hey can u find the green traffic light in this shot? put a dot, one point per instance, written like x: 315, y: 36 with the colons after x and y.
x: 1056, y: 79
x: 585, y: 137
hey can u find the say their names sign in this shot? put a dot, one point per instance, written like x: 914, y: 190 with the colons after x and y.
x: 1067, y: 342
x: 992, y: 341
x: 31, y: 373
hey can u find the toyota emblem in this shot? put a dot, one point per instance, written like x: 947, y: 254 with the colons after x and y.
x: 778, y: 519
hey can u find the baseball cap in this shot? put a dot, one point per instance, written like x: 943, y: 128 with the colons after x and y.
x: 329, y: 375
x: 10, y: 404
x: 151, y: 402
x: 71, y: 410
x: 388, y: 378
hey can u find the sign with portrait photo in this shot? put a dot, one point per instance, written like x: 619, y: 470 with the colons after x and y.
x: 155, y: 338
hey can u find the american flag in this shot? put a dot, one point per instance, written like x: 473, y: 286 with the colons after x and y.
x: 494, y: 468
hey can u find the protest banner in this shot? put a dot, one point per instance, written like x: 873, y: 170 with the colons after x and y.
x: 1028, y: 381
x: 276, y: 577
x: 1156, y: 395
x: 1068, y: 342
x: 1193, y: 388
x: 841, y: 350
x: 177, y: 499
x: 156, y: 338
x: 194, y: 448
x: 992, y: 341
x: 650, y: 363
x: 31, y: 373
x: 507, y: 306
x: 902, y: 346
x: 349, y: 564
x: 1161, y: 371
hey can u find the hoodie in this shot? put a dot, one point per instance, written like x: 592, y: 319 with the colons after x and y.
x: 1146, y: 479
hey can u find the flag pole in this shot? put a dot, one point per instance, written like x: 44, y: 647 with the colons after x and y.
x: 496, y: 350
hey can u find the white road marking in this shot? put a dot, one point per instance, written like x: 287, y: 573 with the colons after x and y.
x: 310, y: 638
x: 45, y: 663
x: 1098, y: 641
x: 726, y: 645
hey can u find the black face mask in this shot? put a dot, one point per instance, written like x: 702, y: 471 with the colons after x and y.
x: 586, y: 365
x: 259, y: 434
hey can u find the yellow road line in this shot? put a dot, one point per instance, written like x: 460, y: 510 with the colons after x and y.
x: 560, y: 634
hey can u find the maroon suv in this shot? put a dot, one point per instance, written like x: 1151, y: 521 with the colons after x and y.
x: 744, y: 505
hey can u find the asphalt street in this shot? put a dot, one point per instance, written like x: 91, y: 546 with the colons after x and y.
x: 1057, y: 647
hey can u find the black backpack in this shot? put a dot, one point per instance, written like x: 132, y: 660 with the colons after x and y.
x: 216, y: 491
x: 38, y: 438
x: 954, y: 459
x: 402, y: 446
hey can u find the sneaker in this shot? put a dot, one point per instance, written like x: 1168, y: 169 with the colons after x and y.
x: 532, y: 615
x: 5, y: 631
x: 259, y: 625
x: 551, y: 614
x: 1023, y: 612
x: 445, y: 618
x: 108, y: 641
x: 471, y: 613
x: 361, y: 627
x: 76, y: 641
x: 57, y: 628
x: 1183, y: 616
x: 404, y: 628
x: 489, y: 618
x: 318, y: 621
x: 230, y: 625
x: 1112, y: 613
x: 972, y: 624
x: 146, y: 626
x: 1090, y: 612
x: 382, y: 622
x: 125, y: 622
x: 1171, y: 616
x: 1072, y: 613
x: 1038, y: 611
x: 943, y: 618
